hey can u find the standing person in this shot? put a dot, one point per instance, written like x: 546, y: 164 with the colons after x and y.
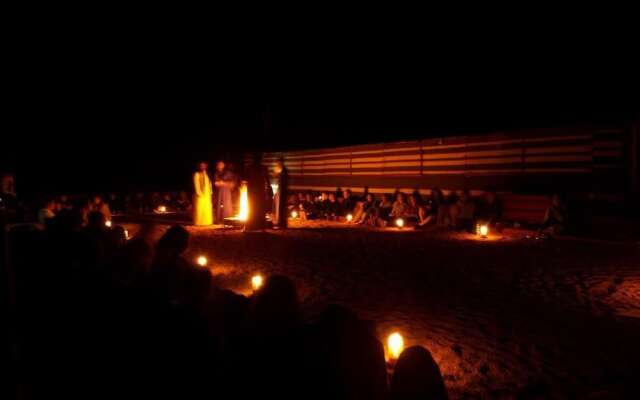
x: 224, y: 182
x: 280, y: 199
x: 202, y: 207
x: 257, y: 183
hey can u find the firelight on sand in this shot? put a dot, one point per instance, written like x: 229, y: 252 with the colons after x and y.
x: 399, y: 222
x: 395, y: 345
x: 202, y: 261
x: 349, y: 217
x: 256, y: 281
x: 294, y: 214
x: 107, y: 223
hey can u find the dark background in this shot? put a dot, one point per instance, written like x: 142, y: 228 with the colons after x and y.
x: 104, y: 119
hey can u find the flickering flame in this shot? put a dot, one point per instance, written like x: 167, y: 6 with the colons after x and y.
x: 162, y: 209
x: 107, y: 223
x: 294, y: 214
x: 202, y: 261
x: 274, y: 188
x: 126, y: 234
x: 484, y: 230
x: 395, y: 345
x: 256, y: 281
x: 400, y: 222
x: 243, y: 215
x: 349, y: 217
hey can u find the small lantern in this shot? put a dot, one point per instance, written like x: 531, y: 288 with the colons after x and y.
x: 400, y: 223
x: 294, y: 214
x: 482, y: 230
x: 349, y: 217
x: 395, y: 345
x: 162, y: 209
x: 107, y: 223
x: 126, y: 234
x: 256, y: 281
x: 202, y: 261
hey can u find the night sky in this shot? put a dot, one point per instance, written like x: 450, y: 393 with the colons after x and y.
x: 108, y: 125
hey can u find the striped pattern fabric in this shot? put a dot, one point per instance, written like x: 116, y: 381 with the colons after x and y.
x: 583, y: 159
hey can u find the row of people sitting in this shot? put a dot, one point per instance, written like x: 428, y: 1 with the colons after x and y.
x: 458, y: 210
x: 125, y: 318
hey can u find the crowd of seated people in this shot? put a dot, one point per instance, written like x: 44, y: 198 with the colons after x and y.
x: 459, y: 210
x: 106, y: 317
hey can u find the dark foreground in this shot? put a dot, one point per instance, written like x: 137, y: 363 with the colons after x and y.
x: 503, y: 318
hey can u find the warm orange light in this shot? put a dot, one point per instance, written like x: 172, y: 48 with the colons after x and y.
x: 294, y: 214
x: 243, y: 215
x: 484, y: 230
x: 162, y: 209
x: 107, y: 223
x: 256, y: 281
x: 126, y: 234
x: 395, y: 345
x: 400, y: 222
x: 349, y: 217
x: 202, y: 261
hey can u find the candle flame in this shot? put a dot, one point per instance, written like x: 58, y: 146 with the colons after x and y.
x: 484, y: 230
x: 400, y: 222
x: 202, y: 261
x: 349, y: 217
x: 256, y: 281
x: 294, y: 214
x: 395, y: 345
x: 126, y: 234
x: 162, y: 209
x: 107, y: 223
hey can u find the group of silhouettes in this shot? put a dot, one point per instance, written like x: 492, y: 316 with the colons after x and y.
x: 103, y: 316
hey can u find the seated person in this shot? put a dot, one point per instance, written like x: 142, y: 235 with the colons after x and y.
x: 463, y: 213
x: 428, y: 212
x: 308, y: 208
x: 322, y: 204
x: 182, y: 202
x: 400, y: 206
x: 364, y: 209
x: 490, y: 208
x: 101, y: 206
x: 349, y: 202
x: 412, y: 209
x: 382, y: 212
x: 333, y: 207
x: 555, y: 218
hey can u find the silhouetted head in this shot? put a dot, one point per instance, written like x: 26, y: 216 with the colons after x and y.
x: 412, y: 200
x: 175, y: 241
x: 346, y: 193
x: 417, y: 376
x: 96, y: 220
x: 400, y: 197
x: 276, y: 304
x: 370, y: 197
x: 556, y: 201
x: 220, y: 166
x: 202, y: 166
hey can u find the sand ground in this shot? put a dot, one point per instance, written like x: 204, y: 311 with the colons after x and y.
x: 507, y: 317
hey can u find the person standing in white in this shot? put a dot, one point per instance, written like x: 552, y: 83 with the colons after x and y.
x: 202, y: 204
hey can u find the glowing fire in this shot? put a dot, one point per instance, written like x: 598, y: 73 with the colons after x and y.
x: 294, y: 214
x: 126, y: 234
x: 256, y: 281
x: 162, y: 209
x: 395, y: 345
x: 243, y: 215
x: 482, y: 230
x: 349, y: 217
x: 400, y: 222
x: 202, y: 261
x: 107, y: 223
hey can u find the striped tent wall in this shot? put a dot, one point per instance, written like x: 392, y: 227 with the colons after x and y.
x: 548, y: 160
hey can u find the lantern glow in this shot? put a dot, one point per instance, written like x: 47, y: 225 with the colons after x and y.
x: 399, y: 222
x: 202, y: 261
x: 484, y: 230
x: 395, y: 345
x: 162, y: 209
x: 349, y: 217
x: 256, y: 281
x: 107, y: 223
x: 294, y: 214
x: 126, y: 234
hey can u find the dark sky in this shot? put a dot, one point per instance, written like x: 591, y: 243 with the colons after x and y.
x: 99, y: 121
